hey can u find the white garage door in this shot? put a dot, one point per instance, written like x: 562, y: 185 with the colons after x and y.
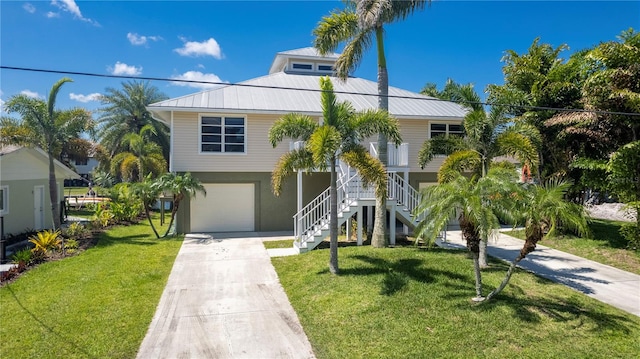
x: 228, y: 207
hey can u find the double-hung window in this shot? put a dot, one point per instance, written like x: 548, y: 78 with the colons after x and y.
x: 444, y: 129
x: 222, y: 134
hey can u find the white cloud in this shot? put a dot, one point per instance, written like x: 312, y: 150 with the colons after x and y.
x: 123, y: 69
x: 52, y: 14
x: 1, y: 106
x: 85, y: 98
x: 197, y: 76
x: 73, y: 8
x: 200, y: 66
x: 206, y: 48
x: 138, y: 40
x: 31, y: 94
x: 28, y: 7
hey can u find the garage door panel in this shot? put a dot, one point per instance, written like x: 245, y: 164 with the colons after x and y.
x: 227, y: 207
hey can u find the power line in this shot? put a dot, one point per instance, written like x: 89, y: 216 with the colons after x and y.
x: 147, y: 78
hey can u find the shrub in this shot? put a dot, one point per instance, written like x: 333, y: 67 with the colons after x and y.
x: 631, y: 232
x: 22, y: 256
x: 125, y: 205
x: 102, y: 216
x: 76, y: 230
x: 14, y: 271
x: 71, y: 245
x: 46, y: 241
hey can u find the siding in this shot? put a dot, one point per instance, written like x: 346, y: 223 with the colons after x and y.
x: 260, y: 155
x: 21, y: 205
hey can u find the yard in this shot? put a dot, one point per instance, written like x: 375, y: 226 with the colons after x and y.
x: 95, y: 305
x: 409, y: 302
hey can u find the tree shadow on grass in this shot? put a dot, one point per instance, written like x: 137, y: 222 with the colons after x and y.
x: 397, y: 273
x: 62, y: 337
x: 532, y: 309
x: 106, y: 239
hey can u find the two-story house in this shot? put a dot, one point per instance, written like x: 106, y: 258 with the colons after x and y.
x: 221, y: 136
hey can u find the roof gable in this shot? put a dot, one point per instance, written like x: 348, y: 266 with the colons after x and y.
x: 30, y: 163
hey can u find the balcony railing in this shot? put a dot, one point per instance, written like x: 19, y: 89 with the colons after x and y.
x: 398, y: 156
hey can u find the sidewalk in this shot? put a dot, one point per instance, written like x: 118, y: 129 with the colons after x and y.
x: 223, y: 299
x: 607, y: 284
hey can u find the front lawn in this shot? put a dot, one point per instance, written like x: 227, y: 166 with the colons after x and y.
x: 98, y: 304
x: 607, y: 245
x: 414, y: 303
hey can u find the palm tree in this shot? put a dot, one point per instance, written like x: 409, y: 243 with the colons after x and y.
x: 148, y: 193
x: 338, y: 137
x: 543, y: 208
x: 43, y: 126
x: 474, y: 202
x: 487, y: 136
x: 139, y: 158
x: 125, y: 112
x: 180, y: 186
x: 357, y: 25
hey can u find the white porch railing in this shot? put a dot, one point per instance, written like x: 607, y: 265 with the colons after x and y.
x: 404, y: 195
x: 398, y: 156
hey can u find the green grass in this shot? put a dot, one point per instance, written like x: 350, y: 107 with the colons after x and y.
x: 408, y: 302
x: 98, y: 304
x: 287, y: 243
x: 607, y: 245
x: 82, y: 191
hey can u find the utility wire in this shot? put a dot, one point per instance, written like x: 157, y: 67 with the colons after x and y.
x: 528, y: 107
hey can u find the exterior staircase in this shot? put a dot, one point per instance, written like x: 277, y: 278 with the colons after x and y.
x: 311, y: 224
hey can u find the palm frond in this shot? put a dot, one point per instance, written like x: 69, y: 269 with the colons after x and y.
x: 353, y: 53
x: 287, y: 164
x: 324, y: 145
x: 334, y: 29
x: 457, y: 163
x: 370, y: 169
x: 292, y: 125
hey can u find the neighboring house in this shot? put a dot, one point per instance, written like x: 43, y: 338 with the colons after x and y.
x: 221, y: 137
x: 84, y: 167
x: 24, y: 188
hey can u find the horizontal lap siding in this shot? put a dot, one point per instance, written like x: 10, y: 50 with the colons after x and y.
x: 260, y: 156
x: 415, y: 132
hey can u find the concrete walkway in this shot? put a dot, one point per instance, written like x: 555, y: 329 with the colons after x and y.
x: 607, y: 284
x: 223, y: 299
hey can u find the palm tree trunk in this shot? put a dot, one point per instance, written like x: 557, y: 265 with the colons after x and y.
x: 174, y: 210
x: 478, y: 273
x: 146, y: 211
x: 378, y: 238
x: 333, y: 220
x: 483, y: 253
x: 53, y: 196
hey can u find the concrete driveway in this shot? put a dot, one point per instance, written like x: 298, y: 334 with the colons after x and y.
x: 223, y: 299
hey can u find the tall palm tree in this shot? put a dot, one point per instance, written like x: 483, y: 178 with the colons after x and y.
x: 486, y: 136
x: 43, y: 126
x: 473, y: 201
x: 125, y: 112
x: 357, y: 25
x: 542, y: 209
x: 339, y: 137
x: 139, y: 157
x: 181, y: 187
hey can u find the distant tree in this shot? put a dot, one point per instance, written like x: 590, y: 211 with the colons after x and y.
x: 42, y: 125
x: 357, y: 25
x: 148, y: 194
x: 139, y: 157
x: 125, y: 112
x: 338, y: 138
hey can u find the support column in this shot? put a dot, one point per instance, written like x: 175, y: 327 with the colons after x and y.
x: 392, y: 223
x: 405, y: 228
x: 359, y: 223
x: 299, y: 229
x: 369, y: 219
x: 348, y: 228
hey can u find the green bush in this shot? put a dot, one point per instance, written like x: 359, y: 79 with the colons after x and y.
x: 71, y: 246
x: 631, y: 232
x: 46, y: 241
x: 22, y: 256
x: 102, y: 216
x: 76, y: 230
x: 125, y: 205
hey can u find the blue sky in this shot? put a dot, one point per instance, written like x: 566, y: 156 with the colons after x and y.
x: 232, y: 41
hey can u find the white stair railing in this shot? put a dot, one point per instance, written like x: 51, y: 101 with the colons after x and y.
x: 397, y: 156
x: 401, y: 191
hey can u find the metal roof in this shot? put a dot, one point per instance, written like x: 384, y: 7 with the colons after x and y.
x: 307, y: 53
x: 283, y: 93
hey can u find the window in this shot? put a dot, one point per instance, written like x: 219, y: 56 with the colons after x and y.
x: 442, y: 129
x: 299, y: 66
x: 4, y: 200
x: 222, y: 134
x: 81, y: 161
x: 325, y: 68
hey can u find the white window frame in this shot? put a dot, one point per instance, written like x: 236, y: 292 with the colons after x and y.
x: 447, y: 131
x: 5, y: 200
x: 222, y: 134
x: 324, y: 71
x: 312, y: 69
